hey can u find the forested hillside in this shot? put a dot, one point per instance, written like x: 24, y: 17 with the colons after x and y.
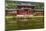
x: 12, y: 4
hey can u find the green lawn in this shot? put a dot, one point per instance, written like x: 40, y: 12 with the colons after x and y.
x: 15, y: 23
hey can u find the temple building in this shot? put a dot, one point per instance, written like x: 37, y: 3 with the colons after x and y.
x: 24, y: 9
x: 21, y: 9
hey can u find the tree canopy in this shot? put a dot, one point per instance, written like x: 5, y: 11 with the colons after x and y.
x: 12, y: 4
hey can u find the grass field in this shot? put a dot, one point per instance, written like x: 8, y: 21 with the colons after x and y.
x: 17, y: 23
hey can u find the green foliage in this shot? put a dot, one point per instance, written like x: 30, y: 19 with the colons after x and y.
x: 12, y: 4
x: 39, y: 6
x: 31, y: 23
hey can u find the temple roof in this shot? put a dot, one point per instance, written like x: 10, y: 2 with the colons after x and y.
x: 18, y: 9
x: 26, y: 8
x: 39, y: 9
x: 25, y: 4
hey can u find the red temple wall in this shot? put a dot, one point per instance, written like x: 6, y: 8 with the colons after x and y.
x: 24, y: 12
